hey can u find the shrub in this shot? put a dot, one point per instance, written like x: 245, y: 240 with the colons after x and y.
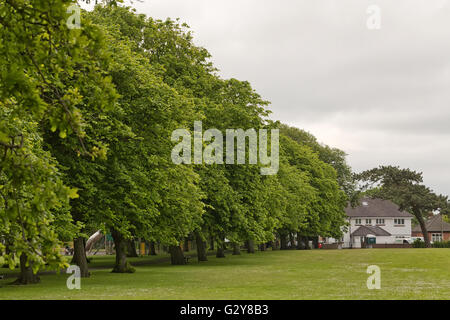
x: 441, y: 244
x: 418, y: 244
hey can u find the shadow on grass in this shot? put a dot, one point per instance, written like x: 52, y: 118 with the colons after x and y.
x: 162, y: 261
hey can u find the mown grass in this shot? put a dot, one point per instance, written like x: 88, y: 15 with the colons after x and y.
x: 315, y: 274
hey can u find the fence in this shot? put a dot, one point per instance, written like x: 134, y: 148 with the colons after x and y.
x: 346, y: 245
x: 392, y: 245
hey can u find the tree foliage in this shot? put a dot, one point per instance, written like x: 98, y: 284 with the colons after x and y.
x: 87, y: 115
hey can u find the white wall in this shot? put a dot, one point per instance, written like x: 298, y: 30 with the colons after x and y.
x: 398, y: 230
x: 389, y: 226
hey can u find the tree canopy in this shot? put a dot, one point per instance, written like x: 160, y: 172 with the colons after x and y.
x: 86, y: 121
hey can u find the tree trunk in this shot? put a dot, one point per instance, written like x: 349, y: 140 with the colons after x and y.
x: 291, y: 240
x: 220, y: 251
x: 221, y: 246
x: 211, y: 246
x: 131, y: 249
x: 176, y: 255
x: 275, y: 244
x: 283, y: 240
x: 315, y: 242
x: 7, y: 251
x: 236, y: 249
x: 79, y: 256
x: 423, y: 227
x: 26, y: 272
x: 186, y: 245
x: 300, y: 245
x: 121, y: 244
x: 7, y: 246
x: 304, y: 243
x: 250, y: 246
x: 201, y: 247
x: 152, y: 251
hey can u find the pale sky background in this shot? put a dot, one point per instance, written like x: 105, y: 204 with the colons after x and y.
x: 382, y: 96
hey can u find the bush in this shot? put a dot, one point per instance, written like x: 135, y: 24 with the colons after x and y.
x: 418, y: 244
x: 441, y: 244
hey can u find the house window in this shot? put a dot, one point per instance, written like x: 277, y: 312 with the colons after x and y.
x: 436, y: 237
x: 357, y: 222
x: 380, y: 221
x: 399, y: 221
x: 368, y: 221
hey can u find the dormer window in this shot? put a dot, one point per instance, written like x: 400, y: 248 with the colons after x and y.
x: 369, y: 221
x: 358, y: 222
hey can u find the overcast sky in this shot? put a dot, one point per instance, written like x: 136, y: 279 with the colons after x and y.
x: 383, y: 96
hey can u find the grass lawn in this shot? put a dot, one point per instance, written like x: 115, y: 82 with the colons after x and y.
x: 314, y: 274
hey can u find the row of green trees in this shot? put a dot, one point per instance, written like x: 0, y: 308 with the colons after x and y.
x: 86, y: 117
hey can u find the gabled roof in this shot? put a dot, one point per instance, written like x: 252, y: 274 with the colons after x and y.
x: 376, y: 208
x: 434, y: 225
x: 363, y: 231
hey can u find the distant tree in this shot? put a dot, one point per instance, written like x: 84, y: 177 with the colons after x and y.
x: 403, y: 187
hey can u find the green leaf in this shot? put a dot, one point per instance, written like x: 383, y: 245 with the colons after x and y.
x: 63, y: 134
x: 73, y: 193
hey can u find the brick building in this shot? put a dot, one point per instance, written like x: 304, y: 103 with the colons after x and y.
x: 436, y: 226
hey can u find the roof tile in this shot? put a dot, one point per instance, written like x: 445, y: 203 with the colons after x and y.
x: 434, y: 225
x: 376, y: 208
x: 374, y: 230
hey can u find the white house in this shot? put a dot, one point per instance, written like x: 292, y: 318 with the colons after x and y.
x: 377, y: 221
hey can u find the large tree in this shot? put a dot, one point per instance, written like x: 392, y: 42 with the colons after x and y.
x: 45, y: 68
x: 166, y: 201
x: 223, y: 103
x: 32, y: 202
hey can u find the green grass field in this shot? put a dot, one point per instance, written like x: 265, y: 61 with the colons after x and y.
x: 314, y: 274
